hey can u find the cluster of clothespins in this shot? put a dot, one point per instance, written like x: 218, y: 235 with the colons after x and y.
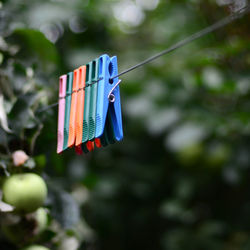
x: 89, y: 109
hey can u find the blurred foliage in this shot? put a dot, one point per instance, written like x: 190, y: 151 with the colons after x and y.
x: 180, y: 178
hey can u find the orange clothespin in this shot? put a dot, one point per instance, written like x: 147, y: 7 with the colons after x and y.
x: 80, y: 109
x: 80, y: 105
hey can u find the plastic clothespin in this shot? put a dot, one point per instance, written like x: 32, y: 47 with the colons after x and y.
x: 80, y: 105
x: 73, y: 107
x: 108, y: 136
x: 98, y: 142
x: 80, y: 109
x: 67, y: 109
x: 93, y: 98
x: 107, y: 69
x: 93, y: 103
x: 110, y: 129
x: 86, y: 144
x: 61, y: 112
x: 78, y: 150
x: 85, y: 148
x: 90, y: 145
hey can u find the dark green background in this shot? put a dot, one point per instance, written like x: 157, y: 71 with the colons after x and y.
x: 179, y: 180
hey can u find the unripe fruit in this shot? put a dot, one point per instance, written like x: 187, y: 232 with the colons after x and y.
x: 26, y: 192
x: 35, y: 247
x: 42, y: 219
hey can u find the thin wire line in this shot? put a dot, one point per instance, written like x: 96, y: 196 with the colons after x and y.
x: 56, y: 103
x: 47, y: 107
x: 223, y: 22
x: 191, y: 38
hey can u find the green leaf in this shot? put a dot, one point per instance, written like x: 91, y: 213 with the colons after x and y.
x: 21, y: 115
x: 30, y: 163
x: 3, y: 116
x: 34, y: 43
x: 5, y: 208
x: 3, y: 166
x: 40, y: 160
x: 3, y: 138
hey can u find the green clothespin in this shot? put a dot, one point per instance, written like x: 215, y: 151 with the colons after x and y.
x: 85, y: 131
x: 67, y: 109
x: 93, y: 98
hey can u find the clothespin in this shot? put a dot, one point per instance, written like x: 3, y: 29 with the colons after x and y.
x: 80, y: 105
x: 92, y: 106
x: 110, y: 129
x: 86, y: 144
x: 67, y: 109
x: 61, y: 112
x: 93, y: 98
x: 108, y: 136
x: 72, y: 121
x: 107, y: 69
x: 80, y: 109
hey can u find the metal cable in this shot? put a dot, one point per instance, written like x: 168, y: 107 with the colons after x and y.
x: 223, y: 22
x: 191, y: 38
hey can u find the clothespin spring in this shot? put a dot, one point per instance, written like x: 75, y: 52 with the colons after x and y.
x: 111, y: 97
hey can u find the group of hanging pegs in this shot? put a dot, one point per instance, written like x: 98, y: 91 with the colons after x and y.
x: 89, y: 109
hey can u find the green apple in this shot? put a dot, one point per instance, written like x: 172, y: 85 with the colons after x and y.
x: 42, y: 219
x: 35, y: 247
x: 26, y: 192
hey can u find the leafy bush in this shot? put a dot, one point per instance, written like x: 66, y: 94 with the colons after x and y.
x: 179, y: 179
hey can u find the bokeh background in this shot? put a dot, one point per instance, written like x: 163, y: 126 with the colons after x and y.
x: 180, y: 177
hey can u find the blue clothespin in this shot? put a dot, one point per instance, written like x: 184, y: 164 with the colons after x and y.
x: 107, y: 69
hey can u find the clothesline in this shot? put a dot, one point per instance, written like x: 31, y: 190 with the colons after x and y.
x: 221, y: 23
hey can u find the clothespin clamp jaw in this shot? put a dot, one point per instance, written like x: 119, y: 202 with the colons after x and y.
x: 108, y: 97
